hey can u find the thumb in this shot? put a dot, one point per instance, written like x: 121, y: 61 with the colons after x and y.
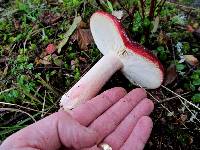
x: 74, y: 135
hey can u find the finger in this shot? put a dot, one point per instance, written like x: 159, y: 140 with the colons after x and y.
x: 117, y: 138
x: 108, y: 121
x: 74, y: 135
x: 52, y: 132
x: 139, y: 135
x: 89, y: 111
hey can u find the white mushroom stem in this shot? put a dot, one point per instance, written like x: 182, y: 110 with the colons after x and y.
x: 91, y: 83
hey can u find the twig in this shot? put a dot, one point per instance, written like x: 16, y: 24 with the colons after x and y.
x: 159, y: 102
x: 164, y: 107
x: 189, y: 110
x: 152, y: 9
x: 27, y: 108
x: 44, y: 83
x: 29, y: 95
x: 142, y: 8
x: 17, y: 110
x: 156, y: 100
x: 7, y: 90
x: 168, y: 99
x: 54, y: 105
x: 73, y: 27
x: 182, y: 6
x: 43, y: 103
x: 181, y: 97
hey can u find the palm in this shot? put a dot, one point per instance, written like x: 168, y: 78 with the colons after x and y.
x: 113, y: 117
x: 122, y: 124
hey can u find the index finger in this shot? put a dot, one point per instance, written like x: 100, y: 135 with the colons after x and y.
x: 88, y: 112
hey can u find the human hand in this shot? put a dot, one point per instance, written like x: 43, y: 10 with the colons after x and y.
x: 113, y: 117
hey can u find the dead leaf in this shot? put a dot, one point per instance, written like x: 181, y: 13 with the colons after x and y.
x: 82, y: 59
x: 72, y: 28
x: 5, y: 71
x: 179, y: 91
x: 191, y: 140
x: 57, y: 60
x: 155, y: 24
x: 74, y: 64
x: 183, y: 118
x: 4, y: 59
x: 84, y: 38
x: 49, y: 18
x: 162, y: 38
x: 83, y: 35
x: 16, y: 24
x: 82, y: 25
x: 195, y: 25
x: 37, y: 61
x: 50, y: 49
x: 44, y: 61
x: 191, y: 60
x: 170, y: 74
x: 190, y: 28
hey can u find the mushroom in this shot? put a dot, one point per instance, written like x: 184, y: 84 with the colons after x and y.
x: 120, y: 53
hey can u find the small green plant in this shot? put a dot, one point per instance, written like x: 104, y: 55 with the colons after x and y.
x: 162, y: 53
x: 178, y: 20
x: 72, y: 4
x: 108, y: 6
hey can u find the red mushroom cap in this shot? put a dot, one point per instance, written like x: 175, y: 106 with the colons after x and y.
x: 142, y: 67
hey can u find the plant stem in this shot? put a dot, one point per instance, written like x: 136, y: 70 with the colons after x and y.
x: 142, y: 8
x: 152, y: 9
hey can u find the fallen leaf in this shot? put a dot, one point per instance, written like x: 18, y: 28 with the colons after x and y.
x: 82, y: 59
x: 191, y: 60
x: 162, y: 38
x: 50, y: 49
x: 48, y: 18
x: 191, y: 140
x: 57, y: 60
x: 155, y: 24
x: 179, y: 91
x: 37, y: 61
x: 74, y: 64
x: 190, y: 28
x: 4, y: 59
x: 72, y: 28
x: 5, y: 71
x: 183, y: 118
x: 82, y: 25
x: 170, y: 74
x: 44, y: 61
x: 84, y: 38
x: 16, y: 24
x: 195, y: 25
